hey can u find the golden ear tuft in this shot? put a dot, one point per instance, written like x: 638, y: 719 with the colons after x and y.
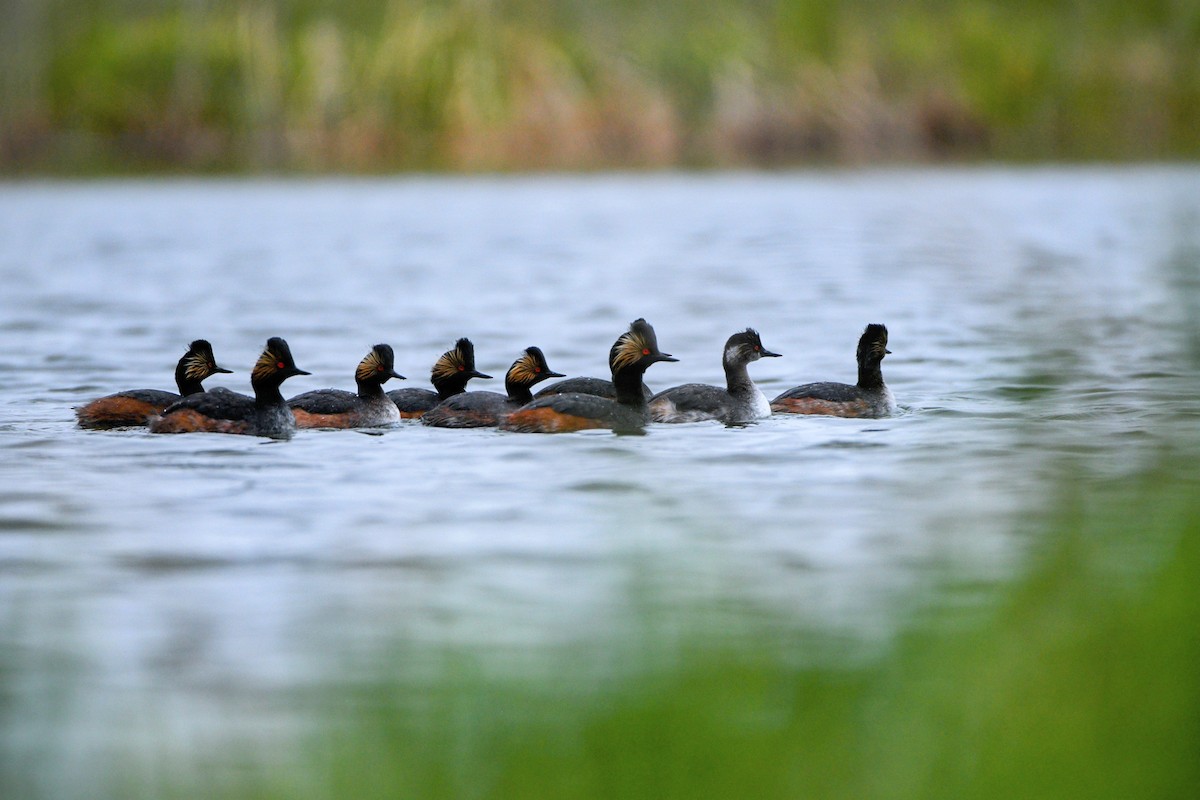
x: 276, y: 357
x: 452, y: 362
x: 368, y: 367
x: 633, y: 345
x: 199, y: 362
x: 264, y: 367
x: 625, y: 353
x: 380, y: 360
x: 525, y: 370
x: 446, y: 366
x: 197, y: 366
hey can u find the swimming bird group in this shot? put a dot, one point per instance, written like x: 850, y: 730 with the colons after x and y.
x: 621, y: 402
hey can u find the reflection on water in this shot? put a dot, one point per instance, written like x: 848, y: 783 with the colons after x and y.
x: 1037, y: 319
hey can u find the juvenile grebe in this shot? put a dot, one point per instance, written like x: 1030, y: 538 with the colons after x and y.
x: 739, y: 403
x: 336, y: 408
x: 449, y: 376
x: 223, y: 411
x: 486, y: 409
x: 630, y: 356
x: 136, y: 406
x: 870, y: 397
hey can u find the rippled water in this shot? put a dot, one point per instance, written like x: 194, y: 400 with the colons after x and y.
x: 1037, y: 317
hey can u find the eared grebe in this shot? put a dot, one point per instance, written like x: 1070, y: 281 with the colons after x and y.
x: 739, y: 403
x: 137, y: 406
x: 870, y: 397
x: 630, y: 356
x: 370, y: 407
x: 449, y: 376
x: 601, y: 387
x: 486, y: 409
x: 223, y: 411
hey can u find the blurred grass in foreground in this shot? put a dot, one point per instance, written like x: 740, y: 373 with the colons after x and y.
x: 1081, y: 679
x: 369, y: 85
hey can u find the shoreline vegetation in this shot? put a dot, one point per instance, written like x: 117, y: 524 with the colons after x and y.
x: 497, y: 85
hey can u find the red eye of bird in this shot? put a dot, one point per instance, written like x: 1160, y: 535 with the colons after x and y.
x: 756, y: 348
x: 537, y: 369
x: 279, y: 364
x: 379, y: 369
x: 645, y: 351
x: 461, y: 368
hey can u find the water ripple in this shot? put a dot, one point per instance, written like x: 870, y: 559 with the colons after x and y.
x: 1017, y: 350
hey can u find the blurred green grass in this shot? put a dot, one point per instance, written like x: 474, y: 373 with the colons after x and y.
x: 510, y: 84
x: 1078, y: 678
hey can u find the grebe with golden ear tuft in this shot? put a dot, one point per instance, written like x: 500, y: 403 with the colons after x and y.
x: 368, y: 408
x: 265, y: 414
x: 631, y: 355
x: 487, y: 409
x: 137, y: 407
x: 449, y: 376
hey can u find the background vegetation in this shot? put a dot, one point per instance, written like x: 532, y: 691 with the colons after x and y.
x: 358, y: 85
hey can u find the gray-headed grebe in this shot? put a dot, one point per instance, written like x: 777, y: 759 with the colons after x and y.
x: 741, y: 402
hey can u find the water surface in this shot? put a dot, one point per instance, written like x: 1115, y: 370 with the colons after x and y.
x: 1038, y: 318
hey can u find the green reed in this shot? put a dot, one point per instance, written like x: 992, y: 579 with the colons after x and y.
x: 488, y: 84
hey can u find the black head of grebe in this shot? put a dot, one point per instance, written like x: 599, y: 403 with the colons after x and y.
x: 872, y: 347
x: 273, y: 367
x: 526, y: 372
x: 454, y: 368
x: 376, y: 369
x: 197, y: 364
x: 629, y: 358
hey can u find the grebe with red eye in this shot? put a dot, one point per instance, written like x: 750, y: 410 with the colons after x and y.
x: 601, y: 387
x: 136, y: 407
x: 487, y: 409
x: 449, y: 376
x: 870, y: 397
x: 368, y: 408
x: 630, y: 356
x: 739, y: 403
x: 223, y: 411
